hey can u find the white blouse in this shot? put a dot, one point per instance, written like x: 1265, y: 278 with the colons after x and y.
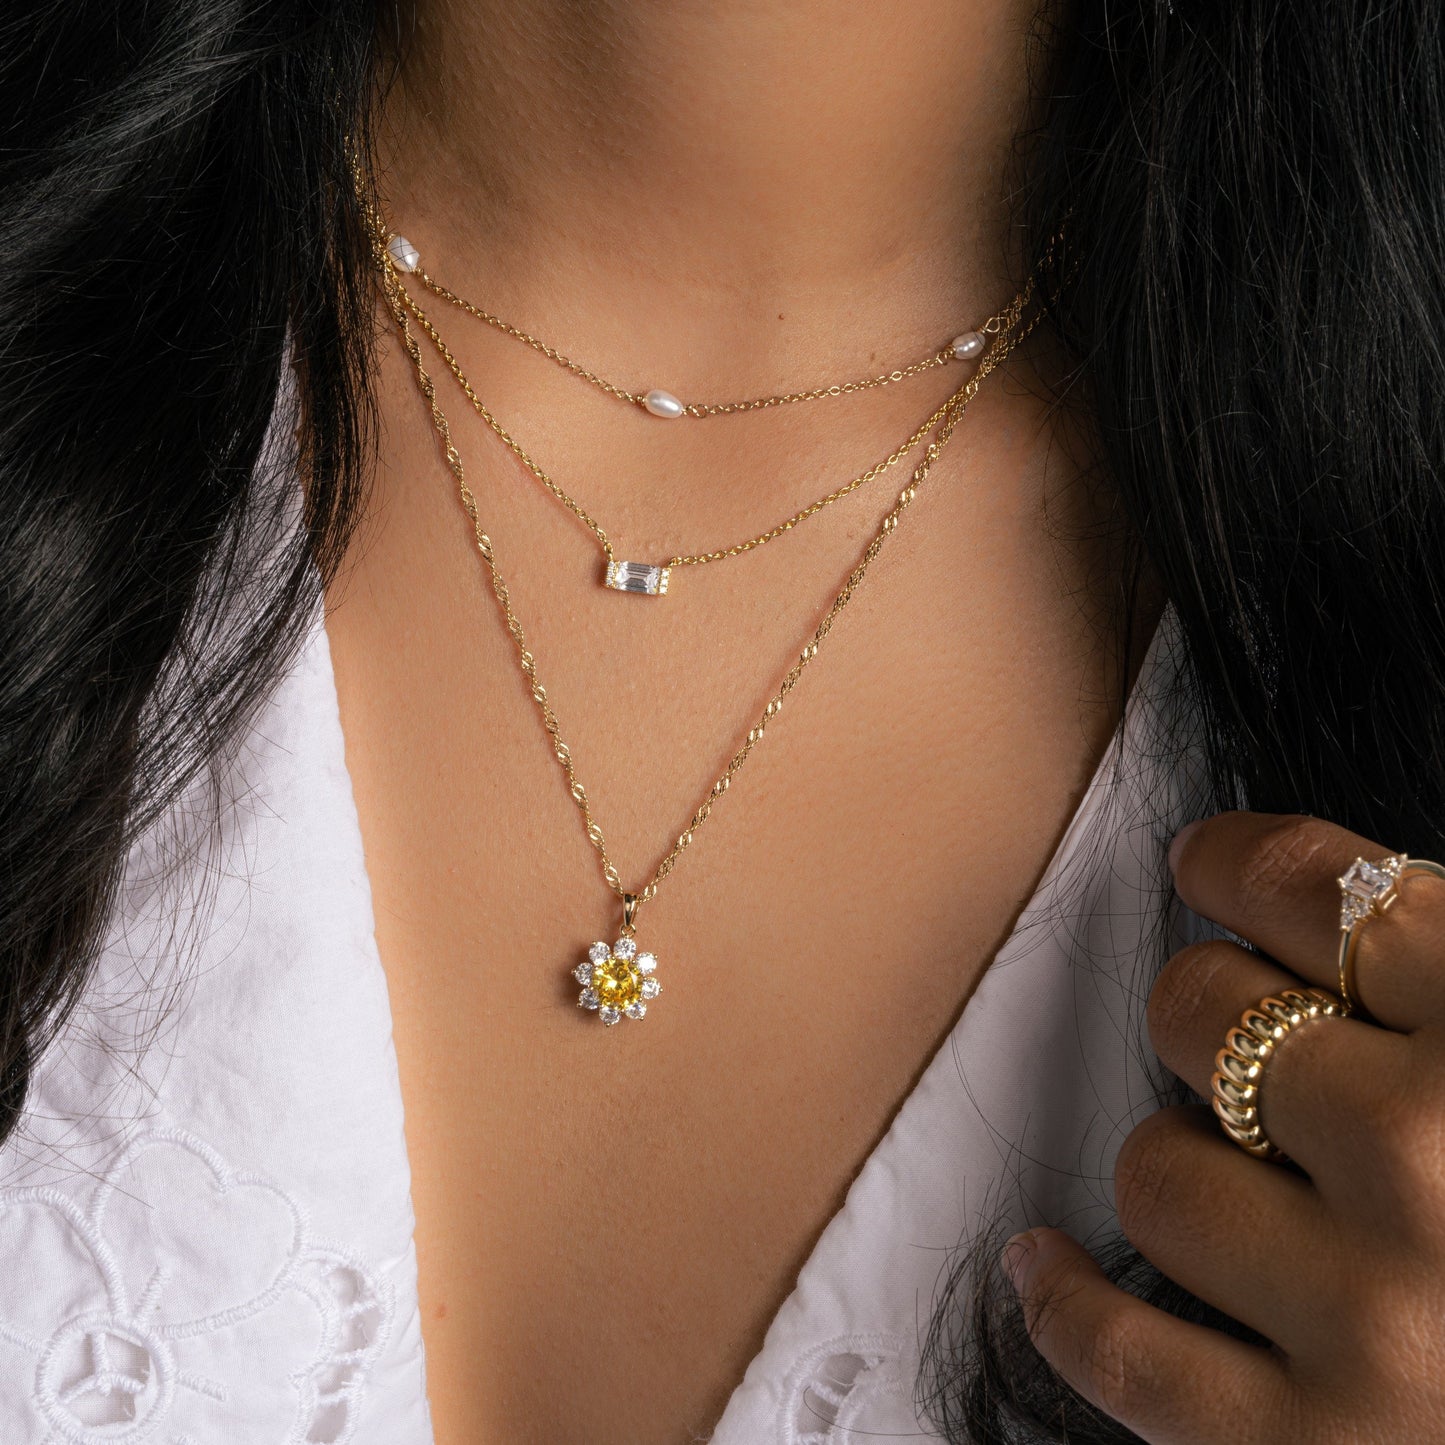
x: 205, y: 1213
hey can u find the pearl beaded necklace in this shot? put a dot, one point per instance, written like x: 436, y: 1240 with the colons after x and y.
x: 658, y: 402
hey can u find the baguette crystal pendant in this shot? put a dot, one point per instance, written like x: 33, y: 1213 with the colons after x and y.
x: 617, y: 981
x: 637, y: 577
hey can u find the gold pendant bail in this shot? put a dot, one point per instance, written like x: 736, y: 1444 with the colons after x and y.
x: 629, y: 912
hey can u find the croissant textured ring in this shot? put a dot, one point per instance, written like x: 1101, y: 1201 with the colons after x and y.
x: 1239, y: 1066
x: 1368, y: 889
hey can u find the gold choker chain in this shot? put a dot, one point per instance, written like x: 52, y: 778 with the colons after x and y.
x: 657, y: 401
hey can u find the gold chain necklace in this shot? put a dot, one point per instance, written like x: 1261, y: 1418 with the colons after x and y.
x: 661, y: 403
x: 616, y: 980
x: 650, y: 579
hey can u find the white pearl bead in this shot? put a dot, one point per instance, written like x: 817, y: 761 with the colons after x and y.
x: 403, y: 253
x: 662, y: 403
x: 969, y: 345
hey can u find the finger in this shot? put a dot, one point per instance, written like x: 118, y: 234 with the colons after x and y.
x: 1199, y: 996
x: 1245, y: 1237
x: 1274, y: 880
x: 1324, y: 1089
x: 1399, y: 956
x: 1170, y: 1382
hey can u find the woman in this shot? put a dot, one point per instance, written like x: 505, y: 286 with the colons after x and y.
x: 1166, y: 544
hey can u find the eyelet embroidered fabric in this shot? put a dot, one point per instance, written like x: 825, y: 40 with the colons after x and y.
x: 121, y: 1346
x: 205, y: 1217
x: 205, y: 1224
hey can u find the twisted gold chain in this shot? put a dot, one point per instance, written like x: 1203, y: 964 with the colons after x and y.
x: 1010, y: 315
x: 942, y: 357
x: 952, y: 414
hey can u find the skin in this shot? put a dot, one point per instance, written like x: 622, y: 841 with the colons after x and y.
x: 731, y: 200
x: 1335, y: 1258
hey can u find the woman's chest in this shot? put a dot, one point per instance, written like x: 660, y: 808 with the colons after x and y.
x: 608, y: 1218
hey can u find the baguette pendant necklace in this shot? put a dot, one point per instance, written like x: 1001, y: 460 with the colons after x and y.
x: 617, y: 980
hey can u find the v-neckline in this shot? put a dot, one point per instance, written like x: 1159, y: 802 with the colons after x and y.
x: 734, y: 1427
x: 939, y: 1059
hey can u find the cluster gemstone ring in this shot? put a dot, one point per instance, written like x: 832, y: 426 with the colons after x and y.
x: 1366, y: 891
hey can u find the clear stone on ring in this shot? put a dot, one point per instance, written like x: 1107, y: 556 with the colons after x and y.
x: 662, y: 403
x: 650, y: 988
x: 646, y: 963
x: 598, y: 953
x: 403, y: 253
x: 609, y: 1016
x: 636, y: 1010
x: 624, y: 948
x: 1365, y: 887
x: 969, y: 345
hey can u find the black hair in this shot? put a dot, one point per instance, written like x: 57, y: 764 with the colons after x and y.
x: 174, y: 201
x: 1253, y: 292
x: 1251, y: 289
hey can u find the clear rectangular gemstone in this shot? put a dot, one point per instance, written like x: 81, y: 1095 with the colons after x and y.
x: 637, y: 577
x: 1362, y: 886
x: 1365, y: 881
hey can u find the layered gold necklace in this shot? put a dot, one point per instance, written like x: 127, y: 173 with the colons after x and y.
x: 648, y: 578
x: 617, y: 980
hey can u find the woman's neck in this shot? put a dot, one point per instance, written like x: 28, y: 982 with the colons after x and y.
x: 703, y: 171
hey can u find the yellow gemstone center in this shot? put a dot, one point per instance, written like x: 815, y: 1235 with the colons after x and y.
x: 616, y: 982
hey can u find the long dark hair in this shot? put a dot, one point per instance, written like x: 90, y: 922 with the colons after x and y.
x: 1251, y: 288
x: 172, y: 201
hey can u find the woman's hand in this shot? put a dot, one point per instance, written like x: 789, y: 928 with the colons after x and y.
x: 1341, y: 1268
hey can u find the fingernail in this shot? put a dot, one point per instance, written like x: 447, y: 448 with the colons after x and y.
x: 1176, y: 848
x: 1016, y: 1256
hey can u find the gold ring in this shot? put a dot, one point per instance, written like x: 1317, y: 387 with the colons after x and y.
x: 1367, y: 890
x: 1239, y: 1066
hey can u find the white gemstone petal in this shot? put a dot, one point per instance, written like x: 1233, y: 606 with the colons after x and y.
x: 636, y: 1010
x: 583, y: 973
x: 624, y: 947
x: 651, y: 988
x: 598, y: 952
x: 609, y: 1016
x: 645, y: 963
x: 587, y: 998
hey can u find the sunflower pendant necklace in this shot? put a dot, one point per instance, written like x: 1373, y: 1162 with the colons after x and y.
x: 617, y: 980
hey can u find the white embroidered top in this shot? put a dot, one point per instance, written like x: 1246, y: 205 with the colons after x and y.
x: 205, y: 1219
